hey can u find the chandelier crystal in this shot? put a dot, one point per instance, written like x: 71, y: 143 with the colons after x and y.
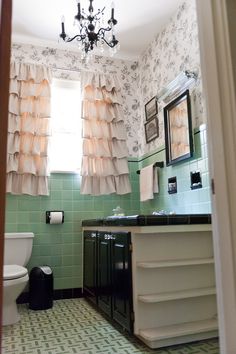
x: 92, y: 30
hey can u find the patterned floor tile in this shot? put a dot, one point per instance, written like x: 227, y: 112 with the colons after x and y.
x: 74, y: 327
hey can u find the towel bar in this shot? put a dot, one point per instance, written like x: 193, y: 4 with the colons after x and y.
x: 156, y: 164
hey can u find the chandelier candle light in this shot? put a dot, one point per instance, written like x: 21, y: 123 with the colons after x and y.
x: 92, y: 31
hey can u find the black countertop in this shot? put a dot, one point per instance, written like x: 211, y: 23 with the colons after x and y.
x: 150, y: 220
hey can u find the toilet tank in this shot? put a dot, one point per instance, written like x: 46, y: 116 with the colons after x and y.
x: 18, y: 247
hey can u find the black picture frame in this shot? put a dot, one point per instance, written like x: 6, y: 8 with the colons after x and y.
x: 151, y: 108
x: 178, y: 129
x: 152, y: 129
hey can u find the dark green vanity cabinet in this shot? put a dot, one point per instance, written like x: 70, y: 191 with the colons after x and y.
x: 107, y: 274
x: 90, y: 266
x: 173, y: 281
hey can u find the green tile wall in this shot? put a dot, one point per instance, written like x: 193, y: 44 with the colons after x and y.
x: 60, y: 246
x: 185, y: 200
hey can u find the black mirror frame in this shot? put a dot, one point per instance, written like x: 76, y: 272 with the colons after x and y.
x: 169, y: 160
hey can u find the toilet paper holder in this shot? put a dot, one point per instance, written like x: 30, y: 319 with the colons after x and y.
x: 48, y: 215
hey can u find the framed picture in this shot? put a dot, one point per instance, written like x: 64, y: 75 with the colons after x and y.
x: 178, y: 129
x: 151, y: 108
x: 151, y: 129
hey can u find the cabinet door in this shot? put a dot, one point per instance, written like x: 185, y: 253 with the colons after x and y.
x: 121, y: 279
x: 90, y: 266
x: 104, y: 272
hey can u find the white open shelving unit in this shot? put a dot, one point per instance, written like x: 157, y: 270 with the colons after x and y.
x: 174, y: 290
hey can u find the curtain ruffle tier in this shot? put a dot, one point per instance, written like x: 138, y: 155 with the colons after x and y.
x: 104, y: 163
x: 28, y: 129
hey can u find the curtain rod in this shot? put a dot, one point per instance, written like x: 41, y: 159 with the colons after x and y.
x: 81, y: 70
x: 65, y: 69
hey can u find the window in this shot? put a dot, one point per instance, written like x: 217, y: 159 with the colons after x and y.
x: 66, y: 140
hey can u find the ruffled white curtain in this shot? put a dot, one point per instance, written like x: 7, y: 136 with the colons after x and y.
x: 104, y: 163
x: 28, y: 129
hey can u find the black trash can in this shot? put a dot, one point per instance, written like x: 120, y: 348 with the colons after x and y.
x: 41, y: 288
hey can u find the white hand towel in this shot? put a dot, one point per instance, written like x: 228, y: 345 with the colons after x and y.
x: 148, y: 182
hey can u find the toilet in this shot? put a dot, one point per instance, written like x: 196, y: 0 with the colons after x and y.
x: 17, y: 252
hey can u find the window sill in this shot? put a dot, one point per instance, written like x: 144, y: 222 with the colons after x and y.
x: 65, y: 172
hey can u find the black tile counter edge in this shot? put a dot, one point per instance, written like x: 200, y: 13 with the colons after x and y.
x: 150, y: 220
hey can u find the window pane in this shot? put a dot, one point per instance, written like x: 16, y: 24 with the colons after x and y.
x: 65, y: 149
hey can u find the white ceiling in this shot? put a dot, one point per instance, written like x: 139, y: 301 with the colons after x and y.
x: 39, y: 22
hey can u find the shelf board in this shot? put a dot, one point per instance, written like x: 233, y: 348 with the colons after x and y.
x: 177, y: 295
x: 175, y: 263
x: 180, y: 329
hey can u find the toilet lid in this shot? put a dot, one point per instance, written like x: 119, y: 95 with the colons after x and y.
x: 13, y: 271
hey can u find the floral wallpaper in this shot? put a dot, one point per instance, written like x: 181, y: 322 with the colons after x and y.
x: 173, y: 50
x: 68, y: 65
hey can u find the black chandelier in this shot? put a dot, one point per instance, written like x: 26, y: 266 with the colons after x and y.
x: 92, y: 32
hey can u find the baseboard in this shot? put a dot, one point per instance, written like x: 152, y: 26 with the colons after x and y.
x: 58, y: 294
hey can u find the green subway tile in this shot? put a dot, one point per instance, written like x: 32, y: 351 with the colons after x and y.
x: 55, y: 205
x: 67, y: 227
x: 46, y: 250
x: 67, y: 205
x: 22, y: 217
x: 56, y: 195
x: 36, y: 217
x: 76, y: 183
x: 76, y: 260
x: 45, y: 239
x: 58, y: 283
x: 66, y: 271
x: 44, y: 260
x: 67, y: 249
x: 77, y: 271
x: 67, y: 260
x: 57, y: 249
x: 67, y: 283
x: 11, y: 204
x: 77, y: 237
x: 56, y: 185
x: 11, y: 228
x: 35, y: 250
x: 77, y: 226
x: 56, y: 261
x: 61, y: 245
x: 77, y: 282
x: 56, y: 272
x: 87, y: 205
x: 77, y: 248
x: 11, y: 217
x: 67, y: 238
x: 23, y: 228
x: 67, y: 185
x: 76, y: 195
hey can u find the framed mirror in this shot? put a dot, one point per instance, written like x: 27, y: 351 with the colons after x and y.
x: 178, y: 129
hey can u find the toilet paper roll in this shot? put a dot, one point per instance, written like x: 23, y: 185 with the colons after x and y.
x: 56, y: 217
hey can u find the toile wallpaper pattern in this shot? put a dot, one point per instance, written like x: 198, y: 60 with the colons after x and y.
x: 173, y: 50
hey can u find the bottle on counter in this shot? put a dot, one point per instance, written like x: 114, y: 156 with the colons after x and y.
x: 118, y: 211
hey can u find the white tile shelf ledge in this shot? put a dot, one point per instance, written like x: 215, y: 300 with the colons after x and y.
x: 176, y: 295
x: 178, y: 330
x: 175, y: 263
